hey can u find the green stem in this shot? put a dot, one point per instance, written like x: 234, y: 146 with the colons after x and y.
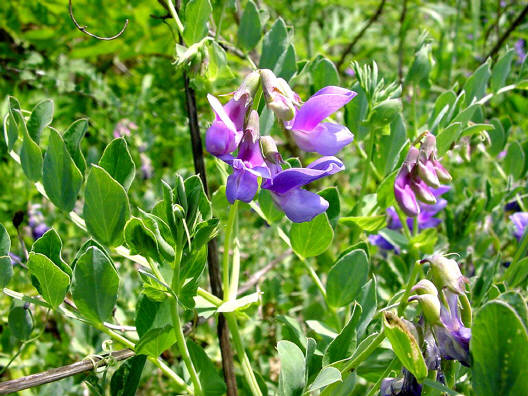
x: 314, y: 276
x: 392, y: 365
x: 227, y: 247
x: 403, y: 221
x: 366, y: 171
x: 174, y: 14
x: 412, y: 281
x: 176, y: 322
x: 352, y: 364
x: 241, y: 352
x: 235, y: 272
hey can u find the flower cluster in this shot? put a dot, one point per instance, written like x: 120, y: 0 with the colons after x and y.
x: 236, y: 129
x: 441, y: 329
x: 426, y: 219
x: 420, y: 174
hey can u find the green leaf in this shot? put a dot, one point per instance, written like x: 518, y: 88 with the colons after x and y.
x: 151, y: 315
x: 369, y: 303
x: 12, y: 122
x: 499, y: 346
x: 205, y: 231
x: 327, y: 376
x: 6, y: 271
x: 140, y: 239
x: 517, y: 272
x: 212, y: 383
x: 405, y: 346
x: 446, y: 137
x: 126, y: 378
x: 197, y: 13
x: 106, y: 207
x: 95, y: 285
x: 30, y: 156
x: 475, y: 129
x: 391, y: 146
x: 324, y: 73
x: 331, y: 194
x: 72, y: 138
x: 291, y: 377
x: 385, y: 112
x: 53, y: 282
x: 250, y: 28
x: 5, y: 241
x: 40, y: 118
x: 497, y: 137
x: 514, y: 160
x: 501, y: 70
x: 292, y: 331
x: 192, y: 267
x: 275, y: 43
x: 385, y: 191
x: 366, y: 223
x: 346, y: 278
x: 20, y: 322
x: 50, y: 245
x: 116, y: 160
x: 344, y: 344
x: 475, y: 86
x: 240, y: 303
x: 311, y: 238
x: 356, y: 112
x: 61, y: 179
x: 268, y: 207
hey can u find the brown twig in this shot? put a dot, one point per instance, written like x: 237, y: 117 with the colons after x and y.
x: 257, y: 276
x: 506, y: 34
x: 59, y: 373
x: 83, y: 28
x: 350, y: 47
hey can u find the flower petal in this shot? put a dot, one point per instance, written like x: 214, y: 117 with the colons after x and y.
x: 324, y: 103
x: 300, y: 205
x: 220, y: 112
x: 292, y: 178
x: 219, y: 139
x: 236, y: 111
x: 241, y: 185
x: 326, y: 139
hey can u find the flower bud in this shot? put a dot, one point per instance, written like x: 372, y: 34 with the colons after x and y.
x: 428, y: 147
x: 411, y: 159
x: 446, y: 273
x: 426, y: 171
x: 270, y: 150
x: 423, y: 193
x: 441, y: 172
x: 430, y: 305
x: 425, y: 286
x: 278, y: 94
x: 249, y: 86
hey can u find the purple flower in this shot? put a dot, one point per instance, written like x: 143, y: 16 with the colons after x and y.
x: 350, y: 72
x: 146, y: 166
x: 520, y: 220
x: 313, y: 135
x: 406, y: 386
x: 124, y: 127
x: 403, y: 191
x: 242, y: 184
x: 453, y: 338
x: 36, y: 222
x: 298, y: 204
x: 521, y: 52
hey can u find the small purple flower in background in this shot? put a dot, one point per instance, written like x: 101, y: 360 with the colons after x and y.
x: 520, y: 50
x: 512, y: 206
x: 36, y: 222
x: 419, y: 175
x: 15, y: 259
x: 242, y: 184
x: 146, y: 166
x: 520, y: 220
x: 350, y: 72
x: 308, y: 129
x: 124, y: 128
x: 298, y: 204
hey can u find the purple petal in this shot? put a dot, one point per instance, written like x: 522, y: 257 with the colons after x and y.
x: 381, y: 242
x: 404, y: 194
x: 520, y: 220
x: 249, y: 151
x: 300, y: 205
x: 394, y: 222
x: 236, y: 111
x: 219, y: 139
x: 323, y: 103
x: 293, y: 178
x: 220, y: 112
x: 326, y: 139
x: 241, y: 185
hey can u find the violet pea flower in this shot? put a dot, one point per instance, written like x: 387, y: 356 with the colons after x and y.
x: 225, y: 133
x: 285, y: 186
x: 313, y: 135
x: 249, y: 164
x: 406, y: 386
x: 520, y: 220
x: 453, y: 338
x: 403, y: 191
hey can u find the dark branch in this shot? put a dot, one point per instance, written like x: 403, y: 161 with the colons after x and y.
x: 83, y: 28
x: 502, y: 39
x: 354, y: 41
x: 59, y: 373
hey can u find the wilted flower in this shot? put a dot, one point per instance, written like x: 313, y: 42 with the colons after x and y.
x: 406, y: 386
x: 446, y: 273
x: 242, y: 184
x: 520, y: 220
x: 453, y: 338
x: 308, y: 129
x: 298, y: 204
x: 419, y: 175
